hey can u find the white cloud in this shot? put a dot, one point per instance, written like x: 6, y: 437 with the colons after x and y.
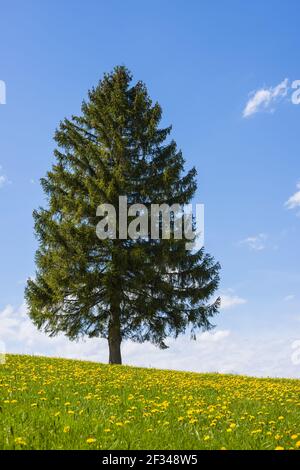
x: 288, y: 298
x: 214, y: 351
x: 264, y: 98
x: 3, y: 178
x: 213, y: 337
x: 294, y: 201
x: 228, y: 301
x: 21, y: 335
x: 256, y: 242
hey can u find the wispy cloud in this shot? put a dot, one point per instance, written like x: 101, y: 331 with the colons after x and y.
x: 3, y: 178
x: 256, y: 242
x: 230, y: 300
x: 290, y: 297
x: 294, y: 201
x: 213, y: 337
x: 265, y: 98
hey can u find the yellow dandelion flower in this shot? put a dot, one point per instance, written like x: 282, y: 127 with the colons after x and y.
x: 67, y: 429
x: 91, y: 440
x: 256, y: 431
x: 279, y: 448
x: 20, y: 441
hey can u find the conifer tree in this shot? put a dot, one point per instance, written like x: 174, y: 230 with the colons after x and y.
x: 141, y: 289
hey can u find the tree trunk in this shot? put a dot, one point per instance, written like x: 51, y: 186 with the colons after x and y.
x: 114, y: 339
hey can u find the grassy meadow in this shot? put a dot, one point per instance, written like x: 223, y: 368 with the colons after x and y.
x: 64, y: 404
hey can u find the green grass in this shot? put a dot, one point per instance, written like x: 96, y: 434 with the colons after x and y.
x: 62, y: 404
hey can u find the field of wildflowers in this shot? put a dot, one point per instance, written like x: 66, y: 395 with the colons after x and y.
x: 63, y: 404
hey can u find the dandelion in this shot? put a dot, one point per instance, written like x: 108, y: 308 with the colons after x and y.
x: 214, y: 407
x: 91, y: 440
x: 20, y: 441
x: 193, y: 421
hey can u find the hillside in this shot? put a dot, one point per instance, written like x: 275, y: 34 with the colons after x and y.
x: 64, y: 404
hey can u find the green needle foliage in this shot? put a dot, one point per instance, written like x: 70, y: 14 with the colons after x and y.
x: 143, y: 289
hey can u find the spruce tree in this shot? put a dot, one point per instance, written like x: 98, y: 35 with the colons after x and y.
x: 142, y: 289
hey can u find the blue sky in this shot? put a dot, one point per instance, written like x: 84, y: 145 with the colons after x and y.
x: 203, y: 61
